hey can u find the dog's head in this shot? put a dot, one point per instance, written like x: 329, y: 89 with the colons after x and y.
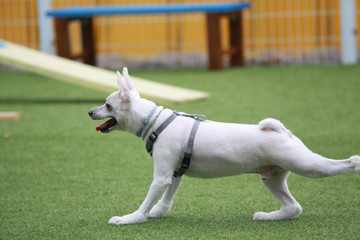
x: 117, y: 106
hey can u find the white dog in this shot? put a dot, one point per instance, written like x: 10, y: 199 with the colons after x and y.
x: 219, y: 149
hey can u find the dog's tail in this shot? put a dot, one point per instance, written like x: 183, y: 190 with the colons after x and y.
x: 270, y: 124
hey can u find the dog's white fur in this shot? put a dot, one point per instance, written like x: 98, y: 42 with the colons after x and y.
x: 220, y: 149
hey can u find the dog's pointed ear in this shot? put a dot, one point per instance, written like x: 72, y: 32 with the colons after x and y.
x: 128, y: 82
x: 123, y: 89
x: 119, y: 80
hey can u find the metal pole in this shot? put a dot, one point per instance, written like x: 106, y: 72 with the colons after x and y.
x: 348, y: 32
x: 46, y: 35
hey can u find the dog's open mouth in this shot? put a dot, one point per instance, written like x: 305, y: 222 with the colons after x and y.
x: 106, y: 125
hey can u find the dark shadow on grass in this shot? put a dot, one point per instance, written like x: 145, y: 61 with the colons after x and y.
x: 48, y: 101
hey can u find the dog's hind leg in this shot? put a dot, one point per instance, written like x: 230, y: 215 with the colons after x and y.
x: 294, y: 156
x: 277, y: 185
x: 313, y: 165
x: 165, y: 203
x: 157, y: 188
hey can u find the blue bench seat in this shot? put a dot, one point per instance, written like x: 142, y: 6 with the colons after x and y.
x: 101, y: 10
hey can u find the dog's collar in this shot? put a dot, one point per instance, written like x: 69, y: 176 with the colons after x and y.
x: 146, y: 121
x: 147, y: 129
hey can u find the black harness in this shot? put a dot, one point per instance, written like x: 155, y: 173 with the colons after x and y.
x: 189, y: 148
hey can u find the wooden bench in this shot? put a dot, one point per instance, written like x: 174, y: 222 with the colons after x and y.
x: 213, y: 11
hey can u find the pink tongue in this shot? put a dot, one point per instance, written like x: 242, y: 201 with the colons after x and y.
x: 98, y: 128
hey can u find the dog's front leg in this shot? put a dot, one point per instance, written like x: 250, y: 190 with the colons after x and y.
x: 164, y: 205
x: 157, y: 188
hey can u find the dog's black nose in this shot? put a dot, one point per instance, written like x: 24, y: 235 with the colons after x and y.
x: 90, y: 112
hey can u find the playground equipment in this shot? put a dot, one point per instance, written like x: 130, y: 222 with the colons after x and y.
x: 214, y: 12
x: 90, y: 76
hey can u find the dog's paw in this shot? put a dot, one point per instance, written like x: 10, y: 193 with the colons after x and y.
x: 132, y: 218
x: 261, y: 216
x: 285, y: 213
x: 356, y: 161
x: 159, y: 210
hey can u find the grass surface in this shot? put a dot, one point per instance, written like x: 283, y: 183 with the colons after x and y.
x: 60, y: 179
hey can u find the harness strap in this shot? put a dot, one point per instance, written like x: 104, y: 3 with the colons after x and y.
x: 188, y: 152
x: 154, y: 135
x: 195, y: 116
x: 189, y: 148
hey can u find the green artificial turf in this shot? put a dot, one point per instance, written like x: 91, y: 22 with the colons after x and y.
x: 60, y: 179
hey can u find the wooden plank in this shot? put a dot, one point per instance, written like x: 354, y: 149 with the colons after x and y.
x: 9, y: 116
x: 90, y: 76
x: 62, y: 38
x: 236, y: 39
x: 88, y: 44
x: 214, y: 41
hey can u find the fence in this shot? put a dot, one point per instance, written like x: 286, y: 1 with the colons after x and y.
x: 275, y: 32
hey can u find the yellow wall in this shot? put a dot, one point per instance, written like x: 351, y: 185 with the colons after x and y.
x: 293, y: 27
x: 273, y: 28
x: 18, y: 22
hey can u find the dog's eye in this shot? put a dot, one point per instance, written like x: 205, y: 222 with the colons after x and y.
x: 108, y: 106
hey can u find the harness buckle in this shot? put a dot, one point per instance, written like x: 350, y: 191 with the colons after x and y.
x: 186, y: 160
x: 153, y: 137
x: 194, y: 116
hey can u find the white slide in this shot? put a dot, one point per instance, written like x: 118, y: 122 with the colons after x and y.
x: 89, y: 76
